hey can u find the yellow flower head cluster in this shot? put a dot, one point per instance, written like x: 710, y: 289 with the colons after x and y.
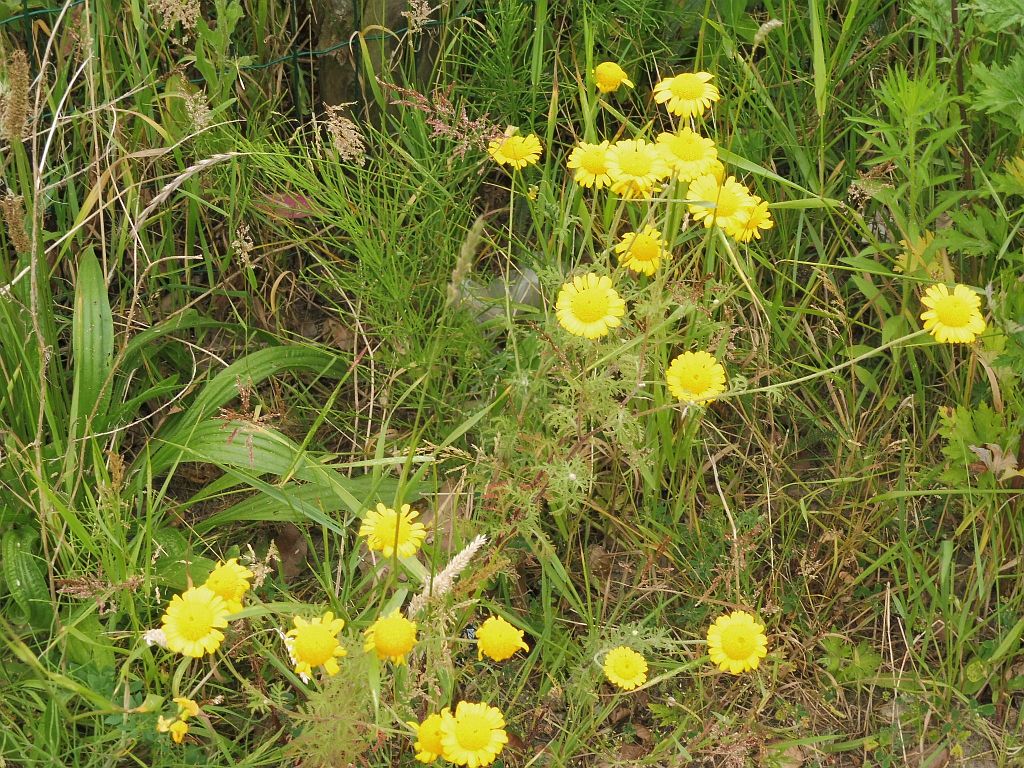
x: 499, y: 640
x: 474, y: 735
x: 514, y: 150
x: 609, y: 76
x: 737, y: 642
x: 695, y: 377
x: 642, y: 251
x: 952, y: 317
x: 589, y: 306
x: 590, y: 163
x: 391, y: 637
x: 193, y: 622
x: 637, y: 170
x: 625, y: 668
x: 314, y: 643
x: 687, y: 95
x: 389, y: 531
x: 177, y: 726
x: 730, y: 205
x: 231, y: 581
x: 194, y: 619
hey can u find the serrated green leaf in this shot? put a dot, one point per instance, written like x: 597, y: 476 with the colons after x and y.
x: 1001, y: 93
x: 999, y: 15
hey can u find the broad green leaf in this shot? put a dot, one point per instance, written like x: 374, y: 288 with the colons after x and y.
x: 92, y: 346
x: 293, y: 498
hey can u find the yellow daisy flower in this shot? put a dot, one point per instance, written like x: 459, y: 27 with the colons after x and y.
x: 516, y: 151
x: 642, y: 251
x: 695, y: 377
x: 952, y: 318
x: 723, y: 203
x: 686, y: 95
x: 186, y: 707
x: 737, y: 642
x: 636, y: 168
x: 231, y: 581
x: 428, y: 737
x: 391, y: 637
x: 389, y: 531
x: 625, y: 668
x: 688, y: 154
x: 590, y: 162
x: 193, y: 621
x: 314, y: 643
x: 589, y: 306
x: 498, y: 639
x: 609, y: 76
x: 474, y: 735
x: 748, y: 222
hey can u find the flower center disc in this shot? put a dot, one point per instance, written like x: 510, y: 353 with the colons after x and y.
x: 688, y: 87
x: 687, y: 150
x: 728, y: 204
x: 628, y: 667
x: 635, y: 163
x: 314, y: 645
x: 472, y: 734
x: 590, y: 305
x: 593, y: 162
x: 953, y: 311
x: 392, y: 637
x: 643, y: 248
x: 398, y: 532
x: 738, y: 642
x: 515, y: 150
x: 696, y: 380
x: 195, y: 623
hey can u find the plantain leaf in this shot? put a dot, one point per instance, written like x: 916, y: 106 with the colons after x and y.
x: 92, y: 346
x: 25, y: 581
x: 293, y: 498
x: 252, y: 369
x: 258, y: 450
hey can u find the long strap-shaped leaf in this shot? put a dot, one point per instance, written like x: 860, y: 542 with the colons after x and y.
x: 92, y: 345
